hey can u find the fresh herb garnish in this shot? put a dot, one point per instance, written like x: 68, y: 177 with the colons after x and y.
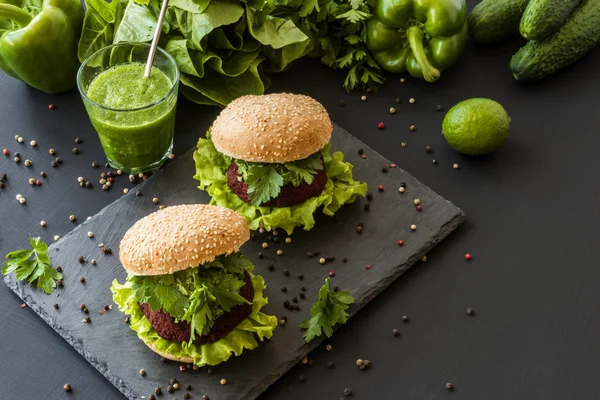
x: 327, y: 312
x: 33, y: 266
x: 266, y: 180
x: 196, y: 295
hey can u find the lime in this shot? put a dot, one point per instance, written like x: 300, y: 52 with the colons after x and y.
x: 476, y: 126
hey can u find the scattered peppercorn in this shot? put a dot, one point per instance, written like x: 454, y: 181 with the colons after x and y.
x: 470, y: 311
x: 93, y: 262
x: 428, y: 149
x: 155, y: 200
x: 75, y: 150
x: 398, y: 100
x: 368, y: 267
x: 400, y: 242
x: 176, y: 385
x: 151, y: 397
x: 347, y: 392
x: 86, y: 320
x: 28, y: 163
x: 401, y: 189
x: 367, y: 207
x: 223, y: 381
x: 82, y: 279
x: 403, y: 144
x: 424, y: 258
x: 468, y: 256
x: 17, y: 159
x: 395, y: 332
x: 300, y: 277
x: 260, y: 254
x: 361, y: 151
x: 81, y: 259
x: 411, y: 100
x: 77, y: 140
x: 301, y: 378
x: 142, y: 372
x: 449, y: 386
x: 332, y: 273
x: 20, y: 139
x: 43, y: 224
x: 405, y: 318
x: 188, y: 386
x: 279, y: 252
x: 363, y: 98
x: 284, y: 289
x: 170, y: 389
x: 413, y: 227
x: 282, y: 322
x: 455, y: 166
x: 342, y: 103
x: 392, y: 110
x: 439, y: 107
x: 67, y: 387
x: 59, y: 268
x: 5, y: 152
x: 330, y: 364
x: 31, y: 181
x: 322, y: 260
x: 359, y: 362
x: 412, y: 128
x: 186, y: 396
x: 419, y: 208
x: 56, y: 306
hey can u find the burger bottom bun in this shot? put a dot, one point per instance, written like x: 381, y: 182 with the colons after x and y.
x: 186, y: 360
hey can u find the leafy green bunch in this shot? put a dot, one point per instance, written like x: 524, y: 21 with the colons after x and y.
x: 266, y: 180
x: 196, y: 295
x: 33, y: 266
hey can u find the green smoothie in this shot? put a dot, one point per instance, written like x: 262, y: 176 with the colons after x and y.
x: 136, y: 122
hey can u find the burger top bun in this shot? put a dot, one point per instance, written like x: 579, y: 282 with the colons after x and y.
x: 273, y: 128
x: 181, y: 237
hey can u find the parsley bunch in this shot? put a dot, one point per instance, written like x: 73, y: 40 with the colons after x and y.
x: 196, y: 295
x: 33, y: 266
x: 266, y: 180
x: 327, y: 312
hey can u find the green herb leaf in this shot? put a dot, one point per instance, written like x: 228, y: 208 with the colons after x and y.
x: 327, y: 312
x: 33, y: 266
x: 264, y: 183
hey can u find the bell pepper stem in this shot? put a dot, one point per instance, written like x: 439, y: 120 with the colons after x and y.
x: 415, y: 40
x: 15, y: 14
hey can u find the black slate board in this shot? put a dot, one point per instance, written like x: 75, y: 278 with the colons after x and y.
x: 114, y: 350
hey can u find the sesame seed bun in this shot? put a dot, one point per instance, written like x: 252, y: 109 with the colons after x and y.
x: 181, y: 237
x: 169, y: 356
x: 273, y: 128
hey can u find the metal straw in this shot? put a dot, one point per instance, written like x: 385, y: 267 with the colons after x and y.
x: 154, y: 45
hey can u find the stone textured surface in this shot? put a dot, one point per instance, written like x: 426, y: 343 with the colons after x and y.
x: 114, y: 350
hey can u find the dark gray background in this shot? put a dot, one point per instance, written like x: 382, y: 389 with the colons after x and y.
x: 533, y: 228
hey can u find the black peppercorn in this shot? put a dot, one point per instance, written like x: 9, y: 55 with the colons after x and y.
x: 344, y: 259
x: 95, y: 164
x: 53, y: 164
x: 439, y: 107
x: 449, y: 386
x: 59, y: 283
x: 88, y: 184
x: 335, y: 288
x: 43, y: 174
x: 301, y: 378
x: 384, y: 169
x: 253, y: 236
x: 367, y: 207
x: 369, y: 196
x: 81, y: 259
x: 303, y: 289
x: 347, y: 392
x: 170, y: 389
x: 271, y: 267
x: 395, y: 332
x: 75, y: 150
x: 103, y: 175
x: 361, y: 151
x: 59, y: 268
x: 82, y: 279
x: 186, y: 396
x: 342, y: 103
x: 5, y: 178
x: 309, y: 254
x: 405, y: 318
x: 302, y: 295
x: 286, y: 273
x: 188, y: 387
x: 106, y: 165
x: 151, y: 397
x: 295, y: 300
x: 163, y: 360
x: 56, y: 306
x: 470, y: 311
x: 209, y: 371
x: 300, y: 277
x: 205, y: 397
x: 284, y: 289
x: 260, y: 254
x: 58, y: 160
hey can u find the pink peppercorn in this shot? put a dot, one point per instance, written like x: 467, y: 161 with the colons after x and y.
x: 381, y: 125
x: 368, y: 267
x: 400, y: 242
x: 38, y: 182
x: 419, y: 208
x: 51, y: 106
x: 468, y: 256
x: 332, y: 273
x: 5, y: 152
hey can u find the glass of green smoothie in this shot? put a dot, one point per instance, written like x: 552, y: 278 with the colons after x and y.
x: 134, y: 116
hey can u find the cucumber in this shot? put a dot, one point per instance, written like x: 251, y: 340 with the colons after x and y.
x: 544, y: 17
x: 577, y: 37
x: 493, y: 20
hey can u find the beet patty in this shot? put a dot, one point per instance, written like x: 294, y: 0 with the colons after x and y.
x: 289, y: 195
x: 166, y: 327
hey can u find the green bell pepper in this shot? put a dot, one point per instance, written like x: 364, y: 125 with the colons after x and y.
x: 422, y: 37
x: 38, y: 42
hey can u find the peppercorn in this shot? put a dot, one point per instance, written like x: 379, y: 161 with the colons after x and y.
x: 59, y: 268
x: 56, y: 306
x: 367, y: 363
x: 381, y: 125
x: 53, y: 164
x: 38, y: 182
x: 72, y: 217
x: 223, y: 381
x: 359, y: 362
x: 188, y: 386
x: 405, y: 318
x: 20, y: 139
x: 428, y: 149
x: 416, y: 202
x: 330, y: 364
x: 403, y: 144
x: 434, y: 161
x: 401, y: 189
x: 400, y: 242
x: 77, y: 140
x: 347, y: 392
x: 342, y: 103
x: 286, y: 273
x: 1, y: 184
x: 367, y: 207
x: 142, y: 372
x: 260, y: 254
x: 282, y: 322
x: 301, y: 378
x: 398, y: 101
x: 186, y: 396
x: 67, y: 387
x: 300, y: 277
x: 75, y: 150
x: 170, y: 389
x: 151, y: 397
x: 411, y: 100
x: 361, y: 151
x: 87, y: 320
x: 419, y: 208
x: 5, y: 152
x: 470, y: 311
x: 28, y: 163
x: 155, y: 200
x: 82, y: 279
x: 322, y: 260
x: 31, y: 181
x: 449, y: 386
x: 205, y: 397
x: 359, y: 228
x: 176, y: 385
x: 412, y: 128
x: 138, y: 193
x: 363, y: 98
x: 468, y: 256
x: 93, y: 262
x: 439, y: 107
x: 392, y: 110
x: 279, y: 252
x: 288, y: 240
x: 81, y: 259
x: 455, y: 166
x: 369, y: 196
x: 284, y: 289
x: 59, y: 283
x: 265, y: 245
x: 395, y: 332
x: 413, y: 227
x: 332, y: 273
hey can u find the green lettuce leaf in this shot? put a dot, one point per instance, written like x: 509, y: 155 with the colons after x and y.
x: 243, y: 337
x: 341, y: 188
